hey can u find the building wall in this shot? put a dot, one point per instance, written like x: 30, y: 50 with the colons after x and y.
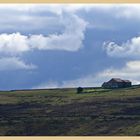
x: 128, y: 84
x: 116, y: 84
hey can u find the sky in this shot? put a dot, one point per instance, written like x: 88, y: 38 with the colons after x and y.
x: 68, y: 45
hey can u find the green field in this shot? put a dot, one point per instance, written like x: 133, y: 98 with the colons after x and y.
x: 55, y: 112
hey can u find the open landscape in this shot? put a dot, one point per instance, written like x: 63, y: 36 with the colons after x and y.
x: 70, y: 69
x: 63, y: 112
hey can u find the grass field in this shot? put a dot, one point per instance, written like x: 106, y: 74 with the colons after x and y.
x: 55, y: 112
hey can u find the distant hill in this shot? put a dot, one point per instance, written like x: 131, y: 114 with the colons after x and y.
x: 63, y: 112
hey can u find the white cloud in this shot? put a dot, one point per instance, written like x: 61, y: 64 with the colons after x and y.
x: 20, y: 17
x: 128, y: 11
x: 131, y: 71
x: 16, y: 28
x: 14, y: 63
x: 13, y: 43
x: 23, y: 17
x: 70, y: 40
x: 51, y: 16
x: 131, y: 48
x: 85, y: 81
x: 59, y: 8
x: 50, y: 84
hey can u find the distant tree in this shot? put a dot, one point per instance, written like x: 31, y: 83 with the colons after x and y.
x: 79, y: 90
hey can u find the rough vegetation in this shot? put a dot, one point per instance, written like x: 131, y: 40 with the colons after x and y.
x: 63, y: 112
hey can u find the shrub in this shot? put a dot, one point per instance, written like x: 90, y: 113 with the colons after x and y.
x: 79, y: 90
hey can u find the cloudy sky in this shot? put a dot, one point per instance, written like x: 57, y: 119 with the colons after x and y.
x: 59, y: 45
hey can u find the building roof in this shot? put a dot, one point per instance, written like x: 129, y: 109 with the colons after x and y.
x: 126, y: 81
x: 118, y: 80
